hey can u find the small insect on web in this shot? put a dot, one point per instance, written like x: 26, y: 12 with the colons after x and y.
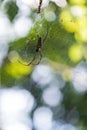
x: 39, y: 7
x: 38, y: 50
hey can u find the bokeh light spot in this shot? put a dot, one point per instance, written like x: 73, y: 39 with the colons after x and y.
x: 79, y: 77
x: 75, y: 53
x: 49, y: 16
x: 42, y: 75
x: 52, y: 96
x: 43, y: 118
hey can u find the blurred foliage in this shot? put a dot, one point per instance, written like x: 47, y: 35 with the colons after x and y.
x: 66, y: 44
x: 11, y: 10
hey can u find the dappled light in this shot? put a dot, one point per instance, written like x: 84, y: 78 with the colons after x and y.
x: 52, y: 96
x: 15, y: 105
x: 60, y: 3
x: 43, y: 118
x: 34, y: 3
x: 43, y: 65
x: 17, y: 126
x: 42, y: 75
x: 79, y: 77
x: 13, y: 56
x: 76, y: 52
x: 78, y: 11
x: 50, y: 16
x: 22, y: 26
x: 5, y: 29
x: 15, y: 69
x: 60, y: 125
x: 16, y: 101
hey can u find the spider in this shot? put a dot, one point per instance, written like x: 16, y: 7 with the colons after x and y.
x: 39, y: 7
x: 37, y: 50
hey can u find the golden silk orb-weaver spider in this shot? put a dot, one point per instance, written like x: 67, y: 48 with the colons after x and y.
x: 38, y: 50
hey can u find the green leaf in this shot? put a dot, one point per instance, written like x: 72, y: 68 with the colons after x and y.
x: 11, y: 10
x: 55, y: 46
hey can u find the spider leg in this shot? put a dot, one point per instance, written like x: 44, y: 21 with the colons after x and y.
x: 29, y: 62
x: 40, y: 57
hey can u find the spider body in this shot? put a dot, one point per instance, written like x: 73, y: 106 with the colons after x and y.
x: 39, y: 44
x: 37, y: 50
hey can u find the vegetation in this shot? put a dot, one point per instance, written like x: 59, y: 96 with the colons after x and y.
x: 64, y: 52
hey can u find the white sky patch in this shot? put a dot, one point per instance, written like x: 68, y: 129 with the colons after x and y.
x: 34, y: 3
x: 23, y: 8
x: 60, y: 3
x: 20, y: 28
x: 17, y: 126
x: 79, y: 77
x: 52, y: 96
x: 22, y: 25
x: 6, y: 30
x: 15, y: 105
x: 77, y: 11
x: 42, y: 75
x: 43, y: 118
x: 15, y: 102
